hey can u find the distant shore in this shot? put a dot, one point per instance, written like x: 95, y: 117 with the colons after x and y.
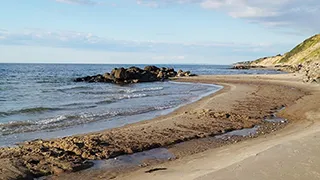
x: 244, y: 102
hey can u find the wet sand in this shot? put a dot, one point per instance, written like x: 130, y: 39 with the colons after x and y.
x: 243, y: 103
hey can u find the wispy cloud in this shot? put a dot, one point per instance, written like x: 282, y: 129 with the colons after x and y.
x: 300, y: 14
x: 79, y: 2
x: 149, y: 4
x: 88, y: 41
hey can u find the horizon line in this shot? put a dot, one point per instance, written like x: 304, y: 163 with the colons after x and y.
x: 110, y: 63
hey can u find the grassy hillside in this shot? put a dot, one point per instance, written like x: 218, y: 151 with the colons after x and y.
x: 308, y: 50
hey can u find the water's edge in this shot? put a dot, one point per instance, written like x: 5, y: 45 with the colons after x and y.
x: 13, y: 139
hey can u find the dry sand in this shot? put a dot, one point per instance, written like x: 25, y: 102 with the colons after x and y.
x: 244, y: 102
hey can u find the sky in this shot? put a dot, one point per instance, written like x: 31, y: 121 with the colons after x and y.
x: 152, y: 31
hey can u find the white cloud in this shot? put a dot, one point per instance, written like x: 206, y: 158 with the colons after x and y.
x: 89, y: 40
x: 83, y: 45
x: 299, y: 14
x: 174, y: 51
x: 242, y: 8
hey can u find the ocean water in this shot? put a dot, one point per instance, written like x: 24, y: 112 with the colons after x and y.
x: 42, y: 101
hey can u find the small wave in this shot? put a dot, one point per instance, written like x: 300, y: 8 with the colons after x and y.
x: 47, y: 81
x: 78, y: 106
x: 95, y: 92
x: 44, y: 124
x: 146, y: 110
x: 72, y: 104
x: 54, y: 120
x: 87, y: 107
x: 130, y: 96
x: 28, y: 111
x: 14, y: 124
x: 108, y: 101
x: 75, y: 88
x: 64, y: 121
x: 163, y: 107
x: 140, y: 90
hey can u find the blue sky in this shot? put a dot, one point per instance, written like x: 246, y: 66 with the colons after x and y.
x: 152, y: 31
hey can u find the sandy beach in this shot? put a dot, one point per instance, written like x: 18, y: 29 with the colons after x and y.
x: 276, y: 151
x: 290, y: 153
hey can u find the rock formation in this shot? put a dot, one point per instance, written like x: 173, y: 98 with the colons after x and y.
x: 135, y: 75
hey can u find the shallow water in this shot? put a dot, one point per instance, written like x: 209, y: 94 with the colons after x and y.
x: 136, y: 159
x: 274, y: 118
x: 242, y: 132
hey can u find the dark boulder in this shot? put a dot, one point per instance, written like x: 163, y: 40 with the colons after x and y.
x: 134, y: 75
x: 162, y: 75
x: 119, y: 73
x: 154, y: 69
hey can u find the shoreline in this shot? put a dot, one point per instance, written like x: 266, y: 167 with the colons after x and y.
x: 240, y: 99
x: 94, y: 127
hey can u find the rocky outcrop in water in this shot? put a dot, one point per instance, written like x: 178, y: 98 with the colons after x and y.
x: 184, y: 73
x: 135, y: 75
x: 245, y: 66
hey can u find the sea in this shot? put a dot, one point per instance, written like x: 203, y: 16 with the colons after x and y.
x: 42, y: 101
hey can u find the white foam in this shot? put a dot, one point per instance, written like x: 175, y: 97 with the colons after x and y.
x: 51, y: 120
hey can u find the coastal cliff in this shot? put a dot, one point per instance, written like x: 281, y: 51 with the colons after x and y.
x: 304, y: 59
x: 307, y: 51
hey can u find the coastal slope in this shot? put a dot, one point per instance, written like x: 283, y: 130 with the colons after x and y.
x: 307, y: 51
x: 304, y: 59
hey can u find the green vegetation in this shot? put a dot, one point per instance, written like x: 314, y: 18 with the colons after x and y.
x: 302, y: 47
x: 313, y: 55
x: 308, y: 50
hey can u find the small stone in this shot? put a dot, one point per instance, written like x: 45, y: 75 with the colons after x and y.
x: 84, y: 155
x: 77, y: 151
x: 129, y: 151
x: 57, y: 171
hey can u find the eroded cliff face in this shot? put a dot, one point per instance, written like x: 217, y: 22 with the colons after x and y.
x: 267, y: 61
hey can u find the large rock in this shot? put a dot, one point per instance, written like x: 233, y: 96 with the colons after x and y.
x: 154, y: 69
x: 134, y: 75
x: 119, y: 73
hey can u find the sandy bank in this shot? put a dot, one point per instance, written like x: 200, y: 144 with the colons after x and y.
x: 244, y: 102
